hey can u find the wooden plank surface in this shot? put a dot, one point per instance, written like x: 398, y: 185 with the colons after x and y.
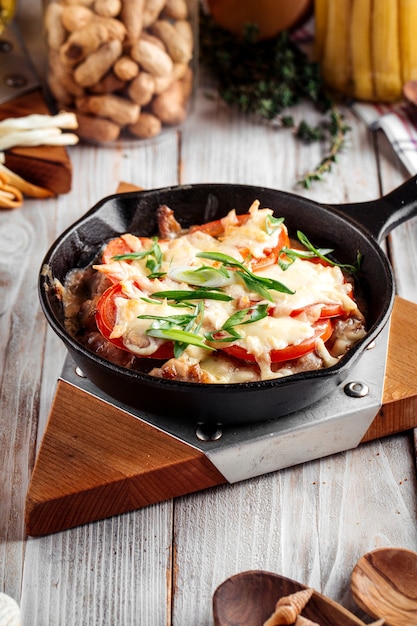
x: 161, y: 564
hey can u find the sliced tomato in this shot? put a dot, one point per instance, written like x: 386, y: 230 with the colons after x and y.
x: 270, y: 256
x: 215, y: 228
x: 113, y: 248
x: 322, y: 330
x: 327, y: 311
x: 106, y: 319
x: 120, y: 246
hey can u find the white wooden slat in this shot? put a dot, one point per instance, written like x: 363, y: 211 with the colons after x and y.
x: 311, y: 522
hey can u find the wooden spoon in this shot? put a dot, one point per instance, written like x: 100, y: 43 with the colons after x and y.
x: 384, y: 584
x: 249, y: 598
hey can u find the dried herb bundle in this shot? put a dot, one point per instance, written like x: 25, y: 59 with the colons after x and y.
x: 268, y: 77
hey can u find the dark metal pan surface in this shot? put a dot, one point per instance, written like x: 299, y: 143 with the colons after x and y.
x: 345, y: 228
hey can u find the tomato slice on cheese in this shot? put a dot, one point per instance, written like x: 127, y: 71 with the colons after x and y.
x: 113, y: 248
x: 322, y: 330
x: 119, y: 246
x: 106, y: 319
x: 217, y: 229
x: 327, y: 311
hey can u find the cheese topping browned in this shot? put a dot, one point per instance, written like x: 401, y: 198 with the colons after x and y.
x: 230, y: 301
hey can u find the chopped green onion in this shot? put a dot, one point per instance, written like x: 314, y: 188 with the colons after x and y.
x: 192, y: 294
x: 227, y: 332
x: 182, y: 336
x: 313, y: 252
x: 203, y: 276
x: 153, y: 261
x: 259, y: 284
x: 181, y: 329
x: 272, y: 223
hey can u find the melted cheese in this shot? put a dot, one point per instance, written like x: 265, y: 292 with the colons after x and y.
x: 273, y: 333
x: 311, y: 283
x: 253, y: 234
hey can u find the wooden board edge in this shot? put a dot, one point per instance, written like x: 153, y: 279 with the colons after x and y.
x: 85, y: 472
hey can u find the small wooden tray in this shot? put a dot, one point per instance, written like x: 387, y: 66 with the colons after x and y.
x: 47, y: 166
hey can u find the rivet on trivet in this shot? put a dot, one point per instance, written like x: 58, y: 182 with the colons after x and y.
x: 79, y: 372
x: 16, y: 81
x: 208, y: 432
x: 5, y: 46
x: 356, y: 389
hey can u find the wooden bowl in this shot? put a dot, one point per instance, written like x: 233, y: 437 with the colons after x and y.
x: 384, y: 584
x: 249, y: 598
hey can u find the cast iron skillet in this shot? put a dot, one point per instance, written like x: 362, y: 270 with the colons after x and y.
x: 345, y: 228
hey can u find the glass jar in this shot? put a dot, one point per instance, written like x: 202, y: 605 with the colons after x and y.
x: 125, y: 67
x: 367, y: 49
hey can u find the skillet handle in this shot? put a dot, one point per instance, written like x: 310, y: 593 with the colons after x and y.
x: 381, y: 216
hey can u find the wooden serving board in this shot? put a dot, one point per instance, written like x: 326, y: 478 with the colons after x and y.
x: 97, y: 460
x: 46, y: 166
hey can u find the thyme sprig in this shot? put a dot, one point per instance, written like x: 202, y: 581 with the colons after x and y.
x: 266, y: 78
x: 337, y: 132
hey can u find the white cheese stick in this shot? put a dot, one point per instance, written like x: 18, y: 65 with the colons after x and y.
x: 64, y: 119
x: 37, y: 137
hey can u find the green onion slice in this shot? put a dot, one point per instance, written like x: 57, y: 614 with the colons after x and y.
x: 191, y: 294
x: 203, y: 276
x: 259, y: 284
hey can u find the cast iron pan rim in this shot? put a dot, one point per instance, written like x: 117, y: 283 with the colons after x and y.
x: 346, y: 361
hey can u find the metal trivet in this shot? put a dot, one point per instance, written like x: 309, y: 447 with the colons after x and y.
x: 334, y: 424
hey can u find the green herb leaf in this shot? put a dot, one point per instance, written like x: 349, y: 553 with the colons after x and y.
x: 322, y: 255
x: 204, y: 276
x: 272, y: 223
x: 227, y: 332
x: 192, y: 294
x: 178, y: 335
x: 181, y: 329
x: 268, y: 77
x: 290, y: 254
x: 259, y: 284
x: 153, y: 258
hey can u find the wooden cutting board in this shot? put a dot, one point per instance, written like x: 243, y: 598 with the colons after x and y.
x: 46, y: 166
x: 97, y: 460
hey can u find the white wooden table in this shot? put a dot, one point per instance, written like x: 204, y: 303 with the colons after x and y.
x: 161, y: 565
